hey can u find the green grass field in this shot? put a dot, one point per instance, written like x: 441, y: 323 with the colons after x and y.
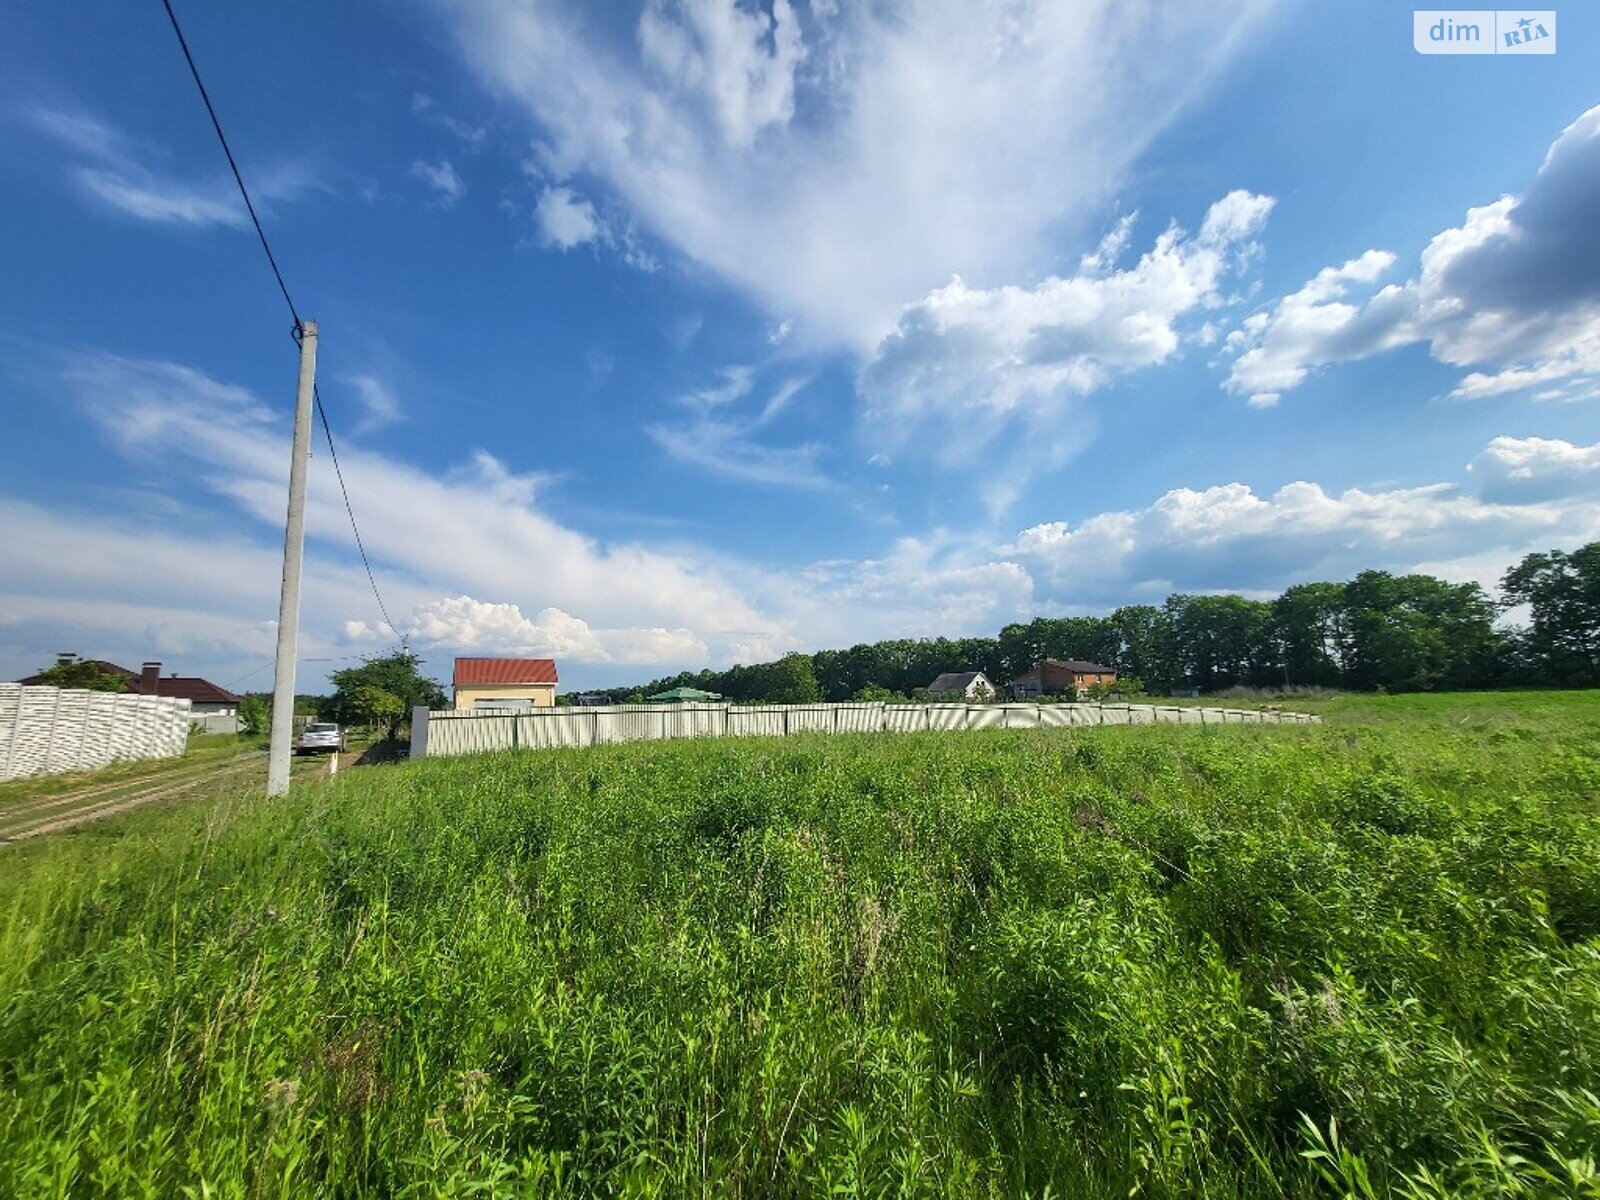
x: 1358, y: 959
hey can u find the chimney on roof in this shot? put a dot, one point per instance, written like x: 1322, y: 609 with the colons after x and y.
x: 66, y: 658
x: 150, y: 675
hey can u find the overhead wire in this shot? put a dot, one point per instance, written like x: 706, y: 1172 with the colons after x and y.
x: 277, y: 274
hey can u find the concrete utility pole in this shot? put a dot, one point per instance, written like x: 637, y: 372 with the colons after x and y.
x: 294, y: 536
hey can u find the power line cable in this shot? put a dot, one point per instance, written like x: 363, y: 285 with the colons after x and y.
x: 354, y: 528
x: 283, y: 287
x: 237, y: 178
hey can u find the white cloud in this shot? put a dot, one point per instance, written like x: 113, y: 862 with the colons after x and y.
x: 716, y: 54
x: 116, y: 172
x: 464, y: 558
x: 442, y: 178
x: 478, y: 530
x: 716, y: 438
x: 967, y: 364
x: 1514, y: 290
x: 936, y: 585
x: 428, y: 109
x: 839, y: 161
x: 462, y: 625
x: 378, y: 401
x: 565, y: 219
x: 1229, y: 538
x: 1536, y: 469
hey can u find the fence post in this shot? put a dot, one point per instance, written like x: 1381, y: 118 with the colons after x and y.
x: 16, y: 732
x: 419, y: 731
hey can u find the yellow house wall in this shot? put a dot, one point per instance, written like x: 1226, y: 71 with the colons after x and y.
x: 543, y: 695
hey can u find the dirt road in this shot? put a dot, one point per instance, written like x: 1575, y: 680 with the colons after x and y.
x: 33, y: 816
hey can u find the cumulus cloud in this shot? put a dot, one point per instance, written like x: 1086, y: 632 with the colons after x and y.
x: 442, y: 178
x: 565, y: 219
x: 1230, y: 538
x: 1514, y: 291
x: 461, y: 625
x: 840, y: 160
x: 965, y: 364
x: 1536, y: 469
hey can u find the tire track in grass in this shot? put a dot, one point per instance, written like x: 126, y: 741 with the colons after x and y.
x: 56, y: 823
x: 179, y: 774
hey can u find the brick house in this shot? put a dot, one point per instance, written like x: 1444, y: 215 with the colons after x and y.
x: 1055, y: 676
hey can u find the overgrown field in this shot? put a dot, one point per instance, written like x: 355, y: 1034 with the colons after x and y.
x: 1356, y: 959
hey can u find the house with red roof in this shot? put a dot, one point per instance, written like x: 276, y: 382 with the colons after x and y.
x: 504, y: 683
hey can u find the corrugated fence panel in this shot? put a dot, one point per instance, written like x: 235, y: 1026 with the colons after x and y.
x: 809, y: 718
x: 629, y: 723
x: 466, y: 733
x: 857, y: 718
x: 694, y: 720
x: 756, y: 721
x: 905, y: 718
x: 985, y: 716
x: 1055, y: 716
x: 1020, y: 716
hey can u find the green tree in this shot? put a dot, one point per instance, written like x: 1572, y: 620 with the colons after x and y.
x: 83, y: 674
x: 397, y: 674
x: 874, y: 691
x: 792, y: 680
x: 379, y: 707
x: 255, y: 714
x: 1562, y: 592
x: 1415, y: 633
x: 1309, y: 619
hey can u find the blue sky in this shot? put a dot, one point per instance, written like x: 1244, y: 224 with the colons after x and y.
x: 684, y: 333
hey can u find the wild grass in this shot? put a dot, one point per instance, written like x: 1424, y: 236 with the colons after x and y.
x: 1360, y: 959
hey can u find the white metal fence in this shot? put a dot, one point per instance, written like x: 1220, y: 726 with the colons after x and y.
x: 436, y: 733
x: 46, y: 729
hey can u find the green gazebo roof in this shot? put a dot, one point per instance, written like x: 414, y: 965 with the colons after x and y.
x: 681, y: 695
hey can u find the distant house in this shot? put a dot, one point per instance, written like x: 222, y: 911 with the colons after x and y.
x: 504, y: 683
x: 970, y: 685
x: 1055, y: 676
x: 205, y: 698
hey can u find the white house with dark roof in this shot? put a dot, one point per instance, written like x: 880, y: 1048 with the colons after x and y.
x: 969, y: 685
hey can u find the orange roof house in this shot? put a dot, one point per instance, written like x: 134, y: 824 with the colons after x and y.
x: 505, y: 683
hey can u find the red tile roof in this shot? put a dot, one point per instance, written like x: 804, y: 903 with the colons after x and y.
x: 470, y: 671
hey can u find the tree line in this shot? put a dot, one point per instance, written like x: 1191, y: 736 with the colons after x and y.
x: 1376, y: 631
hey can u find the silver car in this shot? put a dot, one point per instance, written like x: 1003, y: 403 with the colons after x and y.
x: 320, y: 736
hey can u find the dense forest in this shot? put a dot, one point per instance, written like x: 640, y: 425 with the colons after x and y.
x: 1378, y: 630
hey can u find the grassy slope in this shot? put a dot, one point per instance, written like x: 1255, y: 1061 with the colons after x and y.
x: 938, y: 964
